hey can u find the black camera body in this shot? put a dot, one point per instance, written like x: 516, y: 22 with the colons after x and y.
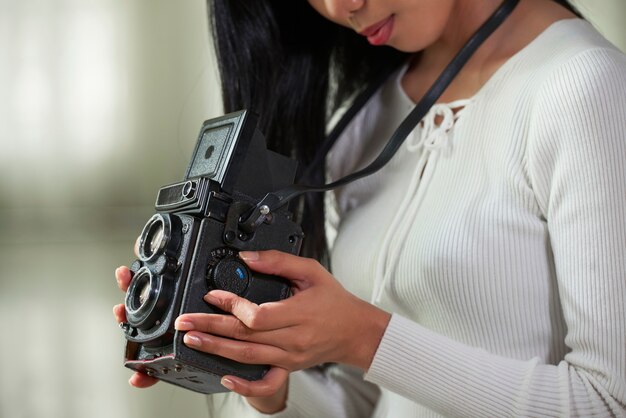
x: 190, y: 247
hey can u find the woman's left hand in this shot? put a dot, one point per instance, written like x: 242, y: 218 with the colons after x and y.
x: 320, y: 323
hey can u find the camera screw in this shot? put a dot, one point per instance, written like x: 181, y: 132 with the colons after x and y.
x: 185, y: 228
x: 150, y: 372
x: 165, y: 370
x: 264, y: 210
x: 178, y: 368
x: 230, y: 236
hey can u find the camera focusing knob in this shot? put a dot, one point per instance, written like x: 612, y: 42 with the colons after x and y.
x: 232, y: 275
x: 228, y: 272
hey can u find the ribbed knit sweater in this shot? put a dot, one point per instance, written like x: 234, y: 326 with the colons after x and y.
x: 497, y: 239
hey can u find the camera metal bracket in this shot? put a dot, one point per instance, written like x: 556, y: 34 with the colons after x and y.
x: 231, y: 225
x: 252, y: 217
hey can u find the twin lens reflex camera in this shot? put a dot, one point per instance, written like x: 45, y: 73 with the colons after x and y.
x: 190, y: 246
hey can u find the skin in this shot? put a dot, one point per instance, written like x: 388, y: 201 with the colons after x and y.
x: 322, y: 322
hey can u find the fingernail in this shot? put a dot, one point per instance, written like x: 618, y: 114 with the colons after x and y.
x: 183, y: 325
x: 192, y: 340
x: 209, y: 298
x: 249, y: 255
x: 227, y: 383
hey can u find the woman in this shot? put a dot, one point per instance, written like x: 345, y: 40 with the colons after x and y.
x: 482, y: 268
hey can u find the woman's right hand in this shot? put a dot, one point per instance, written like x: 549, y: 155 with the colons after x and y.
x: 123, y: 277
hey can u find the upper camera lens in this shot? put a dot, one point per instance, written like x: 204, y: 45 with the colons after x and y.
x: 157, y: 236
x: 153, y: 238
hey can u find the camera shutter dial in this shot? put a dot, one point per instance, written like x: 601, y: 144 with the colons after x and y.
x: 228, y: 272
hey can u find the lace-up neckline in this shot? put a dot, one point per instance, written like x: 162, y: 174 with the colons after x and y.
x: 431, y: 137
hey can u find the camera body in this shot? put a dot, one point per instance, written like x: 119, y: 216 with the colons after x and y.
x: 190, y: 246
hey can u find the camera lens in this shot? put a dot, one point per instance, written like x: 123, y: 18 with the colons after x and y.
x: 156, y: 239
x: 146, y: 299
x: 159, y: 235
x: 142, y: 295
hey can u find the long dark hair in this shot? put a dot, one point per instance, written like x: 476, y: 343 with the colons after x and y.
x: 293, y: 68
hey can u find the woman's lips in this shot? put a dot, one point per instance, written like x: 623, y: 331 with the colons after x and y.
x: 379, y: 33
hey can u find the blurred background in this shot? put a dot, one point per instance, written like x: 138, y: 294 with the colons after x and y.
x: 101, y: 102
x: 100, y: 105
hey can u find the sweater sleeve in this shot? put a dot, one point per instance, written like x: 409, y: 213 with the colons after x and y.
x: 577, y: 167
x: 332, y: 391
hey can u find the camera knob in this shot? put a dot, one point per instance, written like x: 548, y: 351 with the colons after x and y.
x: 231, y: 274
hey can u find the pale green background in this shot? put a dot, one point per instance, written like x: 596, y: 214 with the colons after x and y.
x: 101, y: 102
x: 100, y: 105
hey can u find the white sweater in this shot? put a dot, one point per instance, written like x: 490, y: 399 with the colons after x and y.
x: 498, y: 241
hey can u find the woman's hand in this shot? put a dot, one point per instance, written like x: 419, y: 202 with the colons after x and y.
x: 267, y: 395
x: 320, y: 323
x: 123, y: 276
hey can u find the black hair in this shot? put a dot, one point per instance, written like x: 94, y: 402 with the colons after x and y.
x: 291, y: 66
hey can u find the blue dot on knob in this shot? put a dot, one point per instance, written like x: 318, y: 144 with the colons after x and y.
x: 241, y: 273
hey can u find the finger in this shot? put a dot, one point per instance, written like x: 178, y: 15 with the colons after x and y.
x: 273, y: 380
x: 241, y: 351
x: 136, y: 246
x: 300, y: 271
x: 119, y: 311
x: 264, y: 317
x: 230, y: 327
x: 123, y: 277
x: 140, y: 380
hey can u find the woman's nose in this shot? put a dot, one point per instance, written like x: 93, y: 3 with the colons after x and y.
x: 344, y: 8
x: 352, y: 5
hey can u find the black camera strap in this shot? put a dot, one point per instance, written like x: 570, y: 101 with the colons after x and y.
x: 355, y: 106
x: 275, y: 200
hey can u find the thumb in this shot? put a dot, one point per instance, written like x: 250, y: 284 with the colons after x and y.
x: 300, y: 271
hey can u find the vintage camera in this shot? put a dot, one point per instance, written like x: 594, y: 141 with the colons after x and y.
x: 190, y: 247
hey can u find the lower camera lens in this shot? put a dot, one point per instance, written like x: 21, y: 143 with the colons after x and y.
x: 141, y: 293
x: 146, y: 299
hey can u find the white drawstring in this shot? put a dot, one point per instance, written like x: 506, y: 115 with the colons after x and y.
x: 432, y: 138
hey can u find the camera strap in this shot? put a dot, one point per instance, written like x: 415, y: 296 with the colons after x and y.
x: 272, y: 201
x: 355, y: 106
